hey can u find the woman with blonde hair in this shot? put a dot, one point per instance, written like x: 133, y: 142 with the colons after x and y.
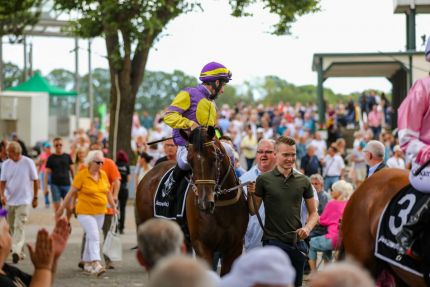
x: 340, y: 192
x: 79, y: 159
x: 91, y: 187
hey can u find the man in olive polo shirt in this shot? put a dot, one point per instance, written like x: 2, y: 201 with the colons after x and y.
x: 282, y: 191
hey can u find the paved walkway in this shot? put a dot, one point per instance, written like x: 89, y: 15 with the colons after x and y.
x: 128, y: 271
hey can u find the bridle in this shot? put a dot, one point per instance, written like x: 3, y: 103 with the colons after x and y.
x: 219, y: 181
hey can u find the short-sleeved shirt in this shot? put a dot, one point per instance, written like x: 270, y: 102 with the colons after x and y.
x: 92, y: 195
x: 19, y: 177
x: 282, y: 197
x: 59, y: 164
x: 333, y: 165
x: 14, y: 277
x: 111, y: 170
x: 124, y: 170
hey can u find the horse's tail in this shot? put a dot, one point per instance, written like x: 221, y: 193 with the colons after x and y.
x: 340, y: 252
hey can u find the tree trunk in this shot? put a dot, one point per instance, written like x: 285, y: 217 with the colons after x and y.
x: 125, y: 84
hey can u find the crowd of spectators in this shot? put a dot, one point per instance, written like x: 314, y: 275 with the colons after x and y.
x: 334, y: 168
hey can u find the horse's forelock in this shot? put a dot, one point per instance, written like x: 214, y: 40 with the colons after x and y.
x: 197, y: 139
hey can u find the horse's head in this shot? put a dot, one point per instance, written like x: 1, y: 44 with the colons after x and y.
x: 204, y: 157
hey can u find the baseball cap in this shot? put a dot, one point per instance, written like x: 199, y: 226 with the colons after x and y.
x: 264, y: 265
x: 397, y: 148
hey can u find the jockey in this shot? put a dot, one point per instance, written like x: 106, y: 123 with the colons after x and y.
x: 414, y: 136
x: 194, y: 107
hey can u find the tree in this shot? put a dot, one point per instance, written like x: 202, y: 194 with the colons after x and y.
x: 12, y: 75
x: 61, y: 78
x: 16, y: 15
x: 130, y: 29
x: 159, y: 88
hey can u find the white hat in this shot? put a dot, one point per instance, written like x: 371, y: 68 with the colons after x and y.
x: 397, y: 148
x: 265, y: 265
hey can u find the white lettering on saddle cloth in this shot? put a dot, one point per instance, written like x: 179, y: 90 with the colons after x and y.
x: 159, y: 203
x: 402, y: 213
x: 421, y: 182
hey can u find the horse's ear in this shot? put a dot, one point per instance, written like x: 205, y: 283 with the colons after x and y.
x: 211, y: 132
x: 185, y: 134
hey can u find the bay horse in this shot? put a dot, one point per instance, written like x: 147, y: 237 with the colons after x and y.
x: 217, y: 218
x: 360, y: 222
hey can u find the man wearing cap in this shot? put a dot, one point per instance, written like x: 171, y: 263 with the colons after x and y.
x: 414, y: 137
x: 374, y: 152
x: 19, y: 185
x: 396, y: 160
x: 282, y: 191
x: 194, y: 107
x: 264, y: 266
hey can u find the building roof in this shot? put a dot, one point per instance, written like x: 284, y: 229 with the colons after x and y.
x: 37, y: 83
x: 363, y: 64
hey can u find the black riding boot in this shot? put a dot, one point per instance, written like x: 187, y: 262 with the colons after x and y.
x: 172, y: 183
x: 416, y: 222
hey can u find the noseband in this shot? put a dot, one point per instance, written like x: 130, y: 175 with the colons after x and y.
x: 217, y: 183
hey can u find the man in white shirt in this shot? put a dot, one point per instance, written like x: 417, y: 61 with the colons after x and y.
x: 333, y: 167
x: 396, y: 160
x: 19, y: 185
x: 265, y: 161
x: 320, y: 146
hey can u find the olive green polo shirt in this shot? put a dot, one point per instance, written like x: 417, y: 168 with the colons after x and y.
x: 282, y: 197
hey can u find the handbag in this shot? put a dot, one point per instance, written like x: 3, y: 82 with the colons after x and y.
x: 112, y: 246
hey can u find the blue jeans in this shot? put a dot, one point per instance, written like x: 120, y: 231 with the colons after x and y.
x: 297, y: 253
x: 59, y: 192
x: 320, y: 243
x: 329, y: 180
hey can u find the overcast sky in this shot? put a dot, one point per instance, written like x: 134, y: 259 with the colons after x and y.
x: 246, y: 47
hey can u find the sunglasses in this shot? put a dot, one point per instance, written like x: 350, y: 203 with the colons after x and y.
x: 58, y: 145
x: 98, y: 162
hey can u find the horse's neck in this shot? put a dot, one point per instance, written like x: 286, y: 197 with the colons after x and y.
x: 228, y: 173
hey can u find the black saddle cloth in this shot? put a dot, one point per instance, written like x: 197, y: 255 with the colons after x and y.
x: 170, y: 206
x: 397, y: 212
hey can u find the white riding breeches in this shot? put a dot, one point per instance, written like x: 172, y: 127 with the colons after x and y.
x: 182, y: 153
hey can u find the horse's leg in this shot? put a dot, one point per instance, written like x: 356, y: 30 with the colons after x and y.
x: 203, y: 251
x: 230, y: 255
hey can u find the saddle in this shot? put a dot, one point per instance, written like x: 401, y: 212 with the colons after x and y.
x: 170, y: 205
x: 397, y: 213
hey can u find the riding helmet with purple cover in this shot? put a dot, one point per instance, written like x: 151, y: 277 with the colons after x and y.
x: 215, y: 71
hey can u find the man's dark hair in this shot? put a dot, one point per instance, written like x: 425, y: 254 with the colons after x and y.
x: 57, y: 139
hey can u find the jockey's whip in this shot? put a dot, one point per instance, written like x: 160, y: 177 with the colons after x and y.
x: 420, y: 169
x: 160, y: 140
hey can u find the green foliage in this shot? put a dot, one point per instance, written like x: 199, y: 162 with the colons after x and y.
x: 12, y: 75
x: 287, y: 10
x: 159, y: 88
x: 15, y: 15
x: 61, y: 78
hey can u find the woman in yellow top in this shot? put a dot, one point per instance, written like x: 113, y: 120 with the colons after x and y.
x: 91, y: 189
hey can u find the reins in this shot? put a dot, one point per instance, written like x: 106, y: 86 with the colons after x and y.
x: 218, y: 183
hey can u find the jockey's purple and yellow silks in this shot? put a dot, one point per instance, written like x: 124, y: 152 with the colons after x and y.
x: 191, y: 105
x: 215, y: 71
